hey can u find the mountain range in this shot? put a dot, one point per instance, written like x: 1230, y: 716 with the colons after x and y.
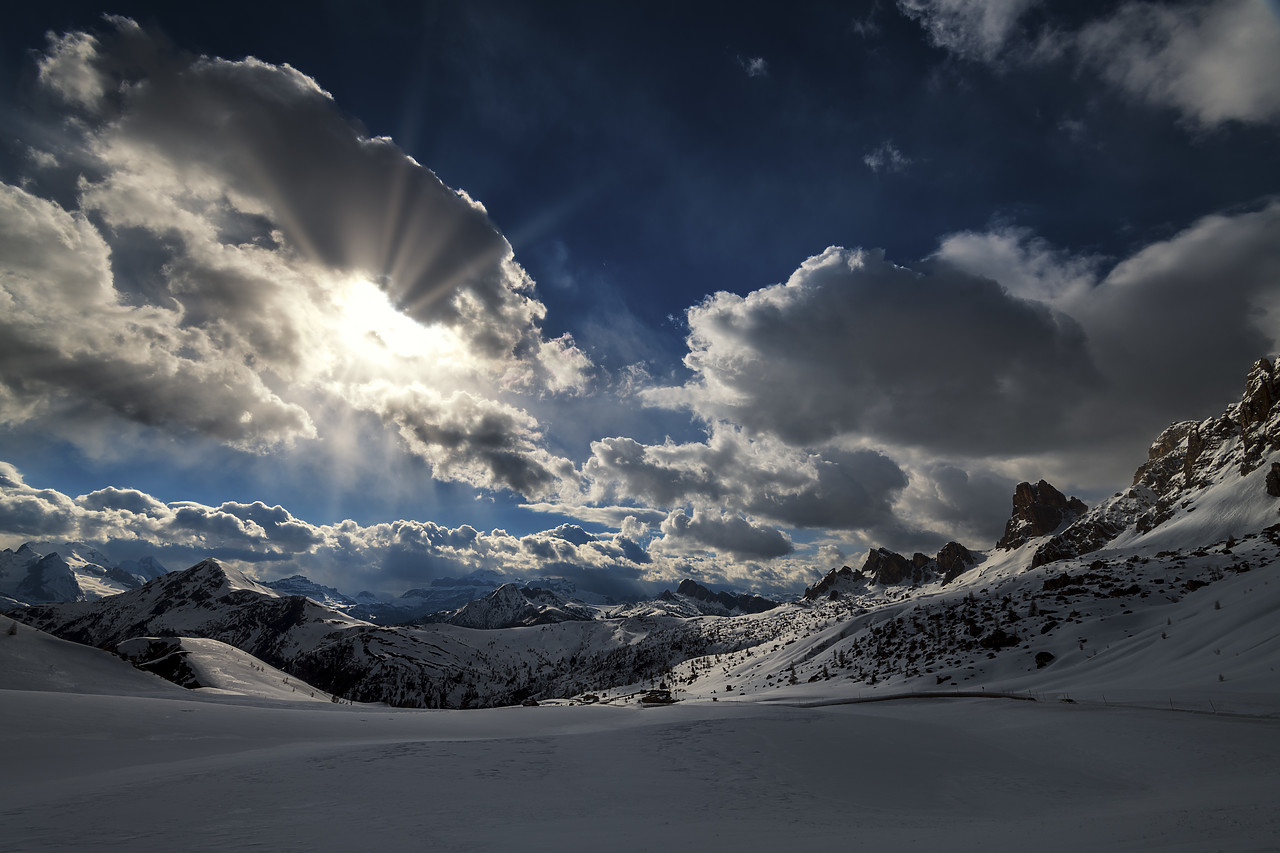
x: 1147, y: 587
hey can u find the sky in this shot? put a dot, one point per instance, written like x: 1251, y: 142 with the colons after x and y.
x: 622, y: 293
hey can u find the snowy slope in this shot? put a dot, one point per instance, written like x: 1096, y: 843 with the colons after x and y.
x: 209, y: 665
x: 33, y: 660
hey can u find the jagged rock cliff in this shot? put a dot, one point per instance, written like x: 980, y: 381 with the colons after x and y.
x: 889, y: 568
x: 1185, y: 462
x: 1037, y: 511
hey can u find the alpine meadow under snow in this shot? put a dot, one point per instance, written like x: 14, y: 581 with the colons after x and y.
x: 480, y: 426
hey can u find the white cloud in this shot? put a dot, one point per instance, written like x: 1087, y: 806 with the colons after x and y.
x: 972, y: 29
x: 755, y: 66
x: 67, y: 68
x: 1215, y: 62
x: 1212, y: 60
x: 263, y: 269
x: 391, y: 556
x: 886, y: 158
x: 1022, y: 263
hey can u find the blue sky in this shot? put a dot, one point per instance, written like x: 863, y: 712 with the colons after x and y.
x: 732, y: 292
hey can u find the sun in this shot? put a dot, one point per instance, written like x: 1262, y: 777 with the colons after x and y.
x: 373, y: 323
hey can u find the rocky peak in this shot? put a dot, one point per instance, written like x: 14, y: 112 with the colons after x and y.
x: 730, y: 602
x: 1186, y: 458
x: 48, y: 580
x: 835, y: 582
x: 953, y: 560
x: 889, y: 568
x: 1038, y: 510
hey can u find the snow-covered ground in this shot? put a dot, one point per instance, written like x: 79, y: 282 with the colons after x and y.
x: 140, y: 764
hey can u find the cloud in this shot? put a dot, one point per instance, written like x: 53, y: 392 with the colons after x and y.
x: 886, y: 158
x: 1170, y: 327
x: 391, y: 556
x: 755, y: 66
x: 1214, y: 62
x: 971, y: 29
x: 70, y: 346
x: 469, y: 439
x: 242, y: 262
x: 1024, y: 264
x: 852, y: 345
x: 723, y: 533
x: 763, y: 477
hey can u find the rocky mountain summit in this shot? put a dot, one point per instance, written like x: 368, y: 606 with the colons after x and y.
x: 72, y: 572
x: 1188, y: 465
x: 889, y: 568
x: 1038, y: 510
x: 512, y: 606
x: 709, y: 603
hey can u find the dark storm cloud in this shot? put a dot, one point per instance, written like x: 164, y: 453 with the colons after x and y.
x: 851, y: 489
x: 725, y: 533
x: 1173, y: 328
x: 852, y: 344
x: 762, y: 477
x: 469, y: 438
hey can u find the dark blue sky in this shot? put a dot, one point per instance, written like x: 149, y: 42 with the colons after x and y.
x: 641, y: 157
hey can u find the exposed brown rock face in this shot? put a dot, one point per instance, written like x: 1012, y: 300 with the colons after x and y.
x: 889, y: 568
x: 836, y: 581
x: 1183, y: 459
x: 1037, y: 511
x: 953, y: 560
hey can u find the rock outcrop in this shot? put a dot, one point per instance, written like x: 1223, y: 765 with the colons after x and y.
x: 889, y: 568
x: 1038, y: 510
x: 722, y: 603
x: 1186, y: 458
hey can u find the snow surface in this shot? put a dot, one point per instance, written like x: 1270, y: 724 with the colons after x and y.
x: 143, y: 773
x: 101, y: 756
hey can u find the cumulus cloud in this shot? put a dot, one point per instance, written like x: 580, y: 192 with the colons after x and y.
x: 469, y: 439
x: 723, y: 533
x: 1215, y: 62
x: 391, y: 556
x: 257, y: 264
x: 762, y: 477
x: 1023, y: 264
x: 1170, y: 327
x: 938, y: 358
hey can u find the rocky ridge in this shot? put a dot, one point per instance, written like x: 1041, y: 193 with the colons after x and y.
x: 889, y: 568
x: 1186, y: 460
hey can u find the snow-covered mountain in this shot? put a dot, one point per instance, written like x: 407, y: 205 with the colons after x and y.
x: 72, y: 571
x: 513, y: 606
x: 300, y: 585
x: 1151, y: 587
